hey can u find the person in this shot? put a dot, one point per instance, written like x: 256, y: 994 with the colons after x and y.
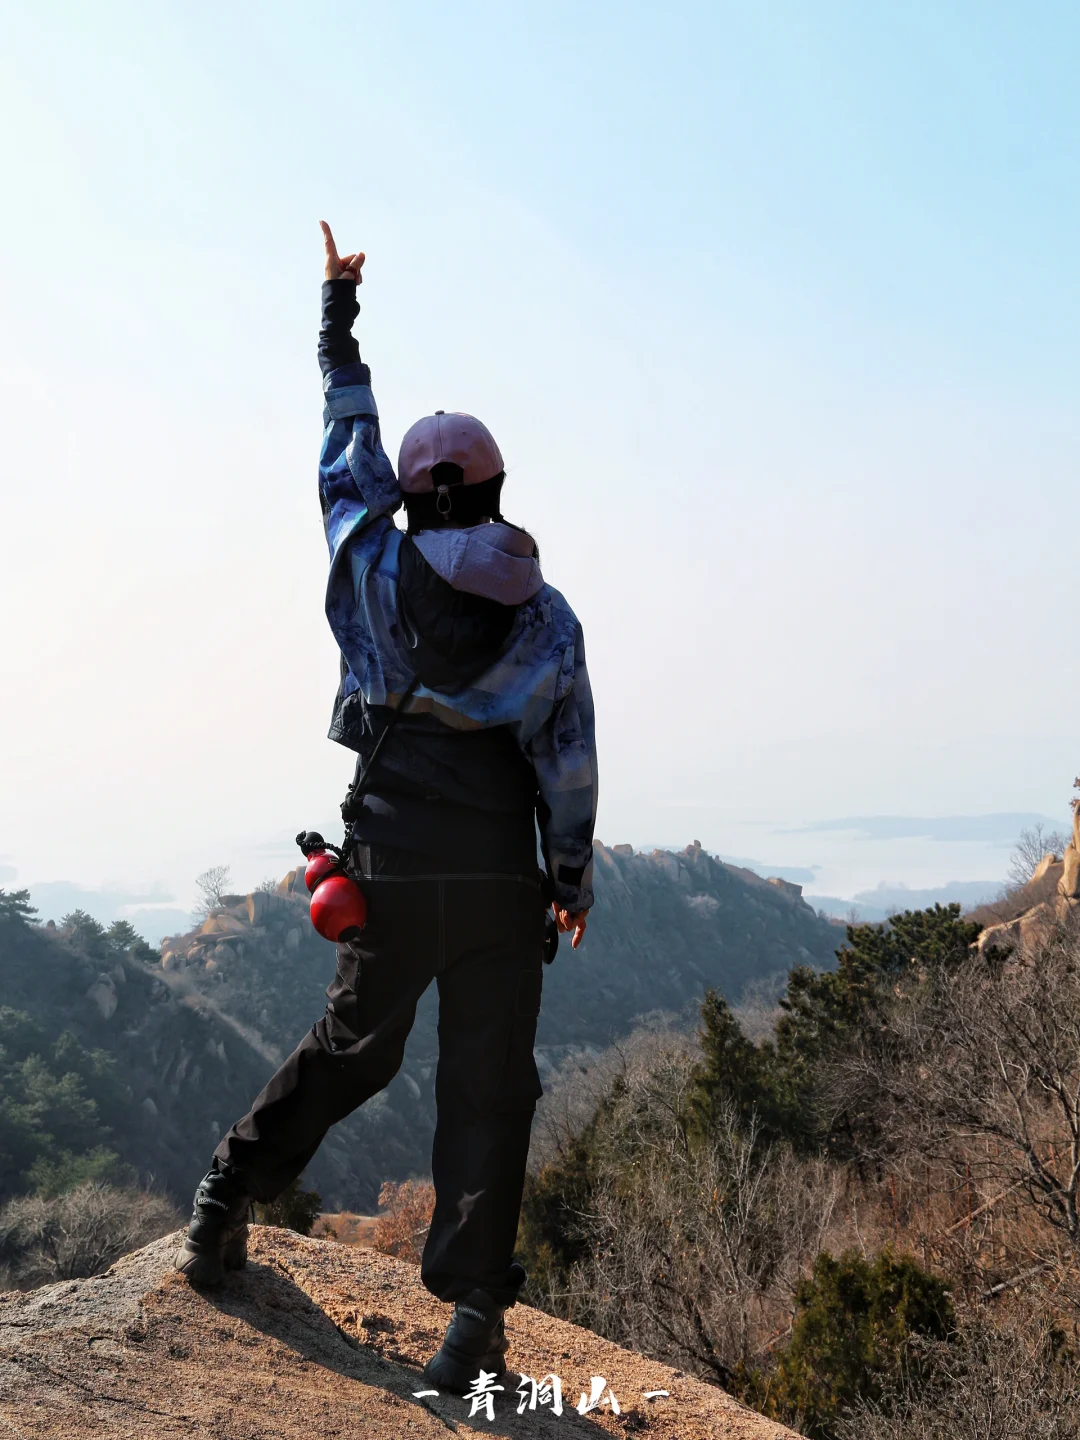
x: 448, y: 628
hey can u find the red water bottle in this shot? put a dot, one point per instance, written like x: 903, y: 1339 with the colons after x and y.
x: 338, y: 907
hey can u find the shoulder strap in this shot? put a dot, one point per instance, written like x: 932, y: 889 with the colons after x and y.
x: 351, y: 804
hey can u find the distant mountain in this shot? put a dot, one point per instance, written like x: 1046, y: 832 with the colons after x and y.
x: 873, y: 906
x: 197, y: 1031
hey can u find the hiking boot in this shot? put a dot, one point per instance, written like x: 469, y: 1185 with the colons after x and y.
x: 217, y: 1236
x: 475, y: 1340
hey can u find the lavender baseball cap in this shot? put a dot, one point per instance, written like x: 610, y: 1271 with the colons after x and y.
x: 453, y: 436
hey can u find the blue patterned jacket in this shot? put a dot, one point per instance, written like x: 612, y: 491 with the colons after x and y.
x: 538, y: 688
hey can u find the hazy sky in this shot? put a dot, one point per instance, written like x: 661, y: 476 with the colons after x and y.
x: 773, y: 310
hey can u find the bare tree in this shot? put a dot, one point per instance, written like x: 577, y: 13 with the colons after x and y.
x: 694, y: 1252
x: 979, y: 1068
x: 1032, y: 845
x: 212, y: 884
x: 1003, y: 1381
x: 77, y: 1234
x: 759, y: 1009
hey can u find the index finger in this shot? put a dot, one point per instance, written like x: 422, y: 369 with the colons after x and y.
x: 328, y: 238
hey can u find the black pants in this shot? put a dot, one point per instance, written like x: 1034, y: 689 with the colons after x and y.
x: 480, y: 937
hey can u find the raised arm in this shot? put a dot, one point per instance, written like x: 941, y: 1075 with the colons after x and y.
x: 358, y: 490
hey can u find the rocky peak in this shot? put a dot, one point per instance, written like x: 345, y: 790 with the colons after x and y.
x: 312, y: 1339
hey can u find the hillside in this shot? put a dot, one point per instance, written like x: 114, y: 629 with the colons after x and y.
x: 109, y: 1053
x: 197, y: 1031
x: 312, y: 1338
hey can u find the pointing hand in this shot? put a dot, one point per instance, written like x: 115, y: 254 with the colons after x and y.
x: 341, y: 267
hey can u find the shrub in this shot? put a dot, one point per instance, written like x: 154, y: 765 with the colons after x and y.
x: 1012, y: 1379
x: 852, y: 1339
x: 294, y: 1209
x: 82, y: 1232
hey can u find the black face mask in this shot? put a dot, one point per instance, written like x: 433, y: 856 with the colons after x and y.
x: 450, y: 636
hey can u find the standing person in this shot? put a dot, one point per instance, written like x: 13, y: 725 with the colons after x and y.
x: 452, y: 621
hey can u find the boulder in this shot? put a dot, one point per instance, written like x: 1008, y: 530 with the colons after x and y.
x: 262, y: 907
x: 786, y: 887
x: 1069, y: 884
x: 103, y: 993
x: 1000, y: 937
x: 1043, y: 866
x: 223, y: 924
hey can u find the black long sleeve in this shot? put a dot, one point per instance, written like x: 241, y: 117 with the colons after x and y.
x: 337, y: 344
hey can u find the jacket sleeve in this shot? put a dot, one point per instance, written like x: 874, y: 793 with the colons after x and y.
x: 563, y: 753
x: 358, y: 490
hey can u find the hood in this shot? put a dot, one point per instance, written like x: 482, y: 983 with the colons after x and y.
x: 493, y: 560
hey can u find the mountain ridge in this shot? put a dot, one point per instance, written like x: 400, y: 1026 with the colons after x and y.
x: 197, y: 1030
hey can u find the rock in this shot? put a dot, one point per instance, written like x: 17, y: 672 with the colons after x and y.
x: 283, y: 1351
x: 103, y: 993
x: 257, y: 907
x: 786, y: 887
x: 211, y: 967
x: 292, y: 939
x: 293, y: 883
x: 1043, y: 866
x: 627, y: 850
x: 1000, y: 937
x: 1069, y: 884
x: 149, y: 1107
x: 223, y: 925
x: 119, y: 974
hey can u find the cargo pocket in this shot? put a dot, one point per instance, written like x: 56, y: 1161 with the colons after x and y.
x: 519, y: 1081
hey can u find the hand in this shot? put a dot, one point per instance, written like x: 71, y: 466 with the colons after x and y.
x: 341, y: 267
x: 575, y: 922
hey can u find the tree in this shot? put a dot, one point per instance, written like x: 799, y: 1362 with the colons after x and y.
x: 834, y: 1015
x: 212, y: 884
x: 15, y: 906
x: 1032, y: 846
x: 122, y: 935
x: 735, y: 1073
x: 405, y: 1218
x: 294, y: 1209
x: 86, y: 932
x: 991, y: 1054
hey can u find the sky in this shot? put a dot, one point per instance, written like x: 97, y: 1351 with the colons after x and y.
x: 772, y: 309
